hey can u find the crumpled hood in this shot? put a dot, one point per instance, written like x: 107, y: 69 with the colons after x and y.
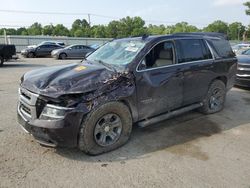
x: 66, y: 79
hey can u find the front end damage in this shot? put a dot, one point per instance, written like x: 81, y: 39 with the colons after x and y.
x: 53, y: 115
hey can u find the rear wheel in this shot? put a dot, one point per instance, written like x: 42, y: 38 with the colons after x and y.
x: 62, y: 56
x: 215, y: 99
x: 105, y: 128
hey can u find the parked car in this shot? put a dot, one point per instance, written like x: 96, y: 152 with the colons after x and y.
x: 239, y: 47
x: 6, y: 52
x: 40, y: 51
x: 72, y: 51
x: 243, y: 73
x: 245, y: 51
x: 47, y: 43
x: 144, y: 80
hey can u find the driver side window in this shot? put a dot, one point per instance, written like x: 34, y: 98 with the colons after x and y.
x: 161, y: 55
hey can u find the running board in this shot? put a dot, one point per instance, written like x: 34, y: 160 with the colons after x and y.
x: 162, y: 117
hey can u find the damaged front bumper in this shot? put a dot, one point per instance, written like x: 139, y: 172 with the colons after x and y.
x: 61, y: 131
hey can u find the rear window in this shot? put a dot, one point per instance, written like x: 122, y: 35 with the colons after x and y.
x: 192, y: 50
x: 222, y: 47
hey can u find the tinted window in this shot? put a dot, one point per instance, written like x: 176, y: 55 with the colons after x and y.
x: 222, y: 47
x: 192, y: 50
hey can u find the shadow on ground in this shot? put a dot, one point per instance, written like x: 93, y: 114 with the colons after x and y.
x: 175, y: 135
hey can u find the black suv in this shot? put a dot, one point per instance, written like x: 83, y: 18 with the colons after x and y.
x: 144, y: 80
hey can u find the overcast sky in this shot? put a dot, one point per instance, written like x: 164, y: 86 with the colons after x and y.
x: 196, y: 12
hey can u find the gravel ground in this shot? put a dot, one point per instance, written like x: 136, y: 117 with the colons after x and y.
x: 192, y: 150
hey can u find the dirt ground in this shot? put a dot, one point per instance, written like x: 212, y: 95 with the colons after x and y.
x: 192, y: 150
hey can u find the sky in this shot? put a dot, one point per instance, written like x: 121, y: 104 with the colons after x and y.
x: 196, y: 12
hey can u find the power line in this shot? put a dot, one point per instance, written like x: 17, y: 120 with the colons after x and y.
x: 89, y: 15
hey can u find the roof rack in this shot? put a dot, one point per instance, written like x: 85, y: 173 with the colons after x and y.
x: 204, y: 34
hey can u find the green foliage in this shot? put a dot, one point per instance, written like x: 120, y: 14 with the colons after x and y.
x: 35, y: 29
x: 217, y: 26
x: 80, y: 28
x: 128, y: 26
x: 247, y: 4
x: 48, y: 29
x: 236, y: 31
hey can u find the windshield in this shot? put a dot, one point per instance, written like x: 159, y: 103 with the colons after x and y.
x: 119, y: 52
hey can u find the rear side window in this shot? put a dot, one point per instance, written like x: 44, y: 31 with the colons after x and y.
x: 192, y: 50
x: 222, y: 47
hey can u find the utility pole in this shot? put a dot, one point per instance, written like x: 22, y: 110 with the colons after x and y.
x: 89, y: 20
x: 5, y: 36
x: 239, y: 29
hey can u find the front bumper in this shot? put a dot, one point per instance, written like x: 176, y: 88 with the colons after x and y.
x: 54, y: 132
x: 243, y: 81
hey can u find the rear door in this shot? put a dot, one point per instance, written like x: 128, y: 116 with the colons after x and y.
x: 197, y: 63
x: 159, y: 88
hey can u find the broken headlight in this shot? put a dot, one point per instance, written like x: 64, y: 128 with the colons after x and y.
x: 51, y: 112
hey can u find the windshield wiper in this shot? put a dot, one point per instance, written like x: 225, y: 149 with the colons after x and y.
x: 106, y: 65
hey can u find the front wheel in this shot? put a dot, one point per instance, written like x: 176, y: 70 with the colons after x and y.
x: 215, y: 99
x: 62, y: 56
x: 105, y: 128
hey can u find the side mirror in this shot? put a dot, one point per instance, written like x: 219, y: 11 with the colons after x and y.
x: 142, y: 65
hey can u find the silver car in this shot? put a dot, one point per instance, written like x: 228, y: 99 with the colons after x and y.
x: 72, y: 51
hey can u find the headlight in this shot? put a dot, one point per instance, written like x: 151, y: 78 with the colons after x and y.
x: 51, y: 112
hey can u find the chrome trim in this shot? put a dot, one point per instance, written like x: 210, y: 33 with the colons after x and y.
x: 29, y: 103
x: 58, y: 107
x: 175, y: 64
x: 243, y: 69
x: 243, y: 75
x: 191, y: 62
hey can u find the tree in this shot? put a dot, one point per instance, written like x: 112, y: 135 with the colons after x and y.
x: 80, y: 28
x: 48, y: 29
x: 236, y: 31
x: 156, y: 30
x: 217, y: 26
x: 184, y: 27
x: 247, y: 4
x: 113, y: 29
x: 35, y: 29
x: 21, y: 31
x: 60, y: 30
x: 99, y: 31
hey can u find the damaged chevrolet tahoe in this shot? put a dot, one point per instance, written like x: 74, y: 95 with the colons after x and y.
x: 92, y: 105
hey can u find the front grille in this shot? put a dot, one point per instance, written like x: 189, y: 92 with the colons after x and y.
x: 25, y: 109
x: 27, y: 104
x: 243, y: 70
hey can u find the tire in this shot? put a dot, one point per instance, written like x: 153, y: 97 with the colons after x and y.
x: 30, y: 55
x: 215, y: 99
x: 63, y: 56
x: 1, y: 61
x: 89, y: 137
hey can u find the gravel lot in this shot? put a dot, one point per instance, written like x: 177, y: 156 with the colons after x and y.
x: 191, y: 150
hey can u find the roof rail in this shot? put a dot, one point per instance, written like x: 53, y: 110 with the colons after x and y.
x: 205, y: 34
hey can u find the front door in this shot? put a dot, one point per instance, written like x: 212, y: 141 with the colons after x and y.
x: 159, y: 82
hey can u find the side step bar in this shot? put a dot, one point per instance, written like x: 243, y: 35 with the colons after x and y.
x: 162, y: 117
